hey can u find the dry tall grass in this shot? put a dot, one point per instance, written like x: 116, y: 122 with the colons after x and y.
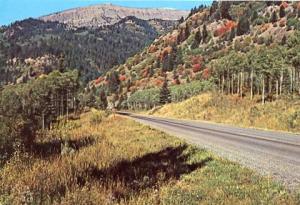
x: 117, y: 161
x: 281, y: 115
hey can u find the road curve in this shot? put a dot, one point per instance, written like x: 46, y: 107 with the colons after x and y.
x: 275, y: 154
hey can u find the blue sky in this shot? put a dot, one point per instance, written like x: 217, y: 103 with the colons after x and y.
x: 12, y: 10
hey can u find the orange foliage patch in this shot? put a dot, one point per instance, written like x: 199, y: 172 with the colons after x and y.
x: 158, y: 82
x: 152, y: 49
x: 175, y: 82
x: 170, y: 40
x: 206, y: 73
x: 221, y: 30
x: 196, y: 68
x: 165, y: 52
x: 282, y: 22
x: 145, y: 72
x: 265, y: 27
x: 122, y: 78
x: 284, y: 4
x: 99, y: 80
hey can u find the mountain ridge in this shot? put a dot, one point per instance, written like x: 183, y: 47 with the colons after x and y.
x: 107, y: 14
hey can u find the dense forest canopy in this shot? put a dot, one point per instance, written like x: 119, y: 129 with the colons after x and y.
x: 90, y: 51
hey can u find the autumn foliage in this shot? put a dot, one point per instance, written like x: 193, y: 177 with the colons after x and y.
x: 221, y: 30
x: 206, y: 73
x: 122, y: 78
x: 197, y: 62
x: 196, y: 68
x: 99, y: 80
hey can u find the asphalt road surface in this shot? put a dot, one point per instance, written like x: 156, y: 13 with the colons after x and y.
x: 274, y: 154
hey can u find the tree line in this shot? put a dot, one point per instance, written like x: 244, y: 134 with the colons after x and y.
x: 26, y: 108
x: 149, y: 98
x: 266, y: 71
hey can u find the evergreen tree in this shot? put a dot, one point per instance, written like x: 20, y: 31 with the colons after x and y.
x: 243, y: 26
x: 283, y: 40
x: 254, y: 15
x: 157, y: 63
x: 213, y: 8
x: 165, y: 65
x: 282, y: 11
x: 113, y: 82
x: 171, y: 59
x: 103, y: 100
x: 204, y: 33
x: 181, y: 20
x: 165, y: 94
x: 198, y: 37
x: 151, y: 71
x: 232, y: 34
x: 224, y: 10
x: 179, y: 57
x: 186, y: 31
x: 273, y: 17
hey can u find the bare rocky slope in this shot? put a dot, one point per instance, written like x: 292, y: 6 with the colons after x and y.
x: 108, y: 14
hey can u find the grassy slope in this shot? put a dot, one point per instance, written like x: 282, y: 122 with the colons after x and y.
x: 120, y: 161
x: 280, y: 115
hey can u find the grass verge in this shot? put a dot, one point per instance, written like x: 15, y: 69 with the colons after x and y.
x: 113, y: 160
x: 281, y: 115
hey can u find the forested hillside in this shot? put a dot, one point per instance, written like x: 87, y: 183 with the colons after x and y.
x: 32, y: 47
x: 238, y: 48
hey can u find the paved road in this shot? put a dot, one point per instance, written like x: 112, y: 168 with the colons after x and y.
x: 275, y: 154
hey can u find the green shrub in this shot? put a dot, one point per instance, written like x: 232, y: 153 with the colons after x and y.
x: 259, y: 21
x: 294, y: 120
x: 98, y: 116
x: 293, y: 22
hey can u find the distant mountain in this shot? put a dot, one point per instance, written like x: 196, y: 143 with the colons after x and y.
x: 33, y: 47
x: 108, y: 14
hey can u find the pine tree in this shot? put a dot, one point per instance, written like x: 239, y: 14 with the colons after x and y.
x: 224, y: 10
x: 179, y: 57
x: 103, y: 100
x: 165, y: 94
x: 243, y: 26
x: 204, y: 33
x: 157, y: 64
x: 186, y: 31
x: 254, y: 15
x: 283, y: 40
x: 232, y: 34
x: 171, y: 62
x: 151, y: 71
x: 165, y: 65
x: 274, y: 17
x: 181, y: 20
x: 282, y: 11
x: 198, y: 37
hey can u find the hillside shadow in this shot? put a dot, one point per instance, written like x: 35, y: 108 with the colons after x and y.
x: 149, y: 171
x: 54, y: 148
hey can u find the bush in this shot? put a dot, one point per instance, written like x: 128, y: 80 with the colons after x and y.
x: 260, y: 40
x: 259, y: 21
x: 293, y: 22
x: 294, y: 120
x: 98, y: 116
